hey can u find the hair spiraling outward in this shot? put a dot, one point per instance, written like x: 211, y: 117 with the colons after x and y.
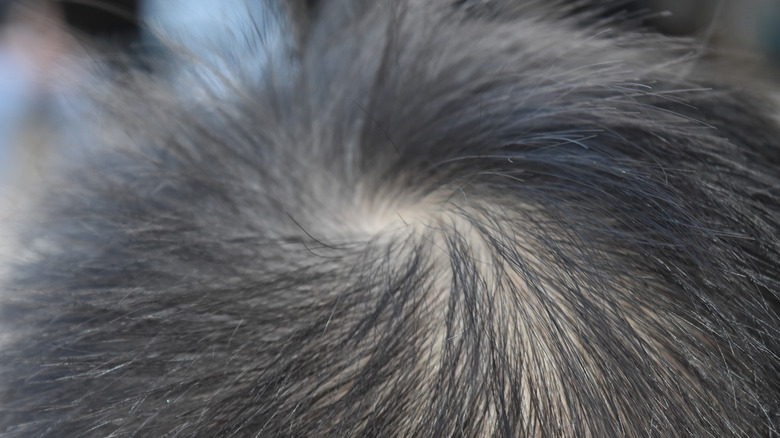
x: 422, y: 218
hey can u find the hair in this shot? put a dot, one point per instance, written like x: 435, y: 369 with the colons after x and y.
x: 413, y: 218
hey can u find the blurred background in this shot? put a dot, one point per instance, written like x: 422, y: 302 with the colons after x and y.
x: 38, y: 38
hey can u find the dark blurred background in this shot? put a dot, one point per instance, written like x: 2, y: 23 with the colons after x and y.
x: 752, y: 24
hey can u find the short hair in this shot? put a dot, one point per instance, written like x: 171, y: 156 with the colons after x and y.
x: 422, y: 219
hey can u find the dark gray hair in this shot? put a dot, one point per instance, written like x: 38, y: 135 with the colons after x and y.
x: 424, y: 218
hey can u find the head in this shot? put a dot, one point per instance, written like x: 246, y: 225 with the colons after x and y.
x: 410, y: 219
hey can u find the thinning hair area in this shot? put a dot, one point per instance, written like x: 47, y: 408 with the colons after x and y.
x: 422, y: 219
